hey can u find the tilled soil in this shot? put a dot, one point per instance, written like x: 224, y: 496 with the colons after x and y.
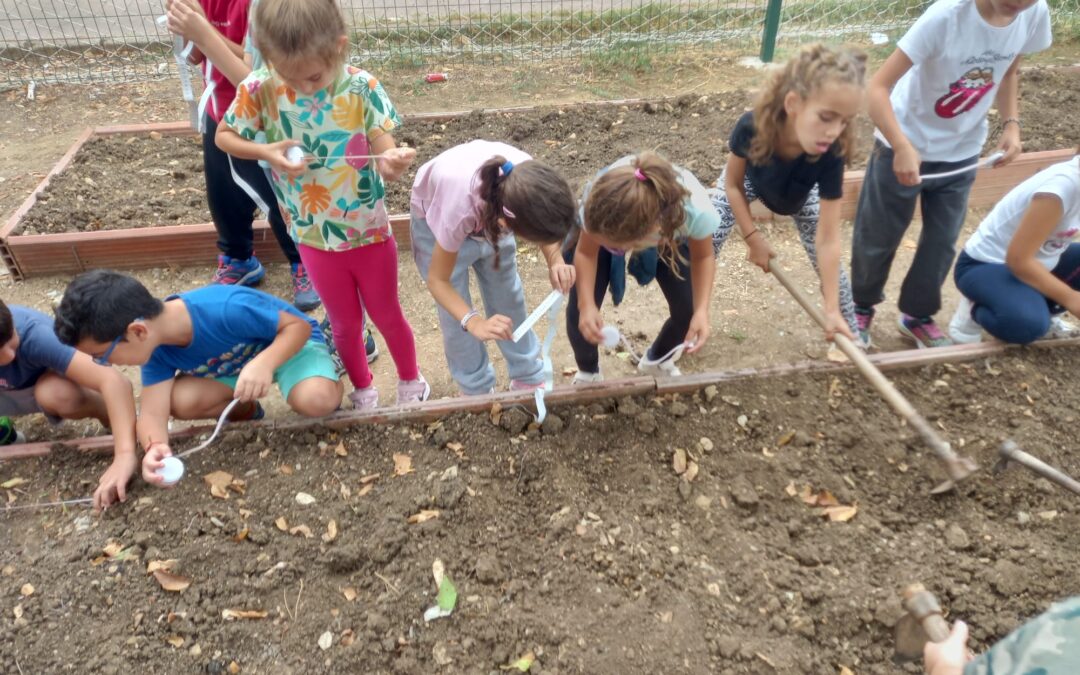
x: 576, y: 542
x: 126, y: 182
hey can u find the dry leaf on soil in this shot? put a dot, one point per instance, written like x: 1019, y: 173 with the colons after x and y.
x: 347, y: 637
x: 163, y: 565
x: 13, y: 483
x: 171, y: 582
x: 304, y: 499
x: 340, y: 450
x: 175, y: 641
x: 402, y: 464
x: 424, y: 516
x: 302, y: 530
x: 26, y: 591
x: 691, y: 472
x: 281, y: 524
x: 349, y: 592
x: 678, y: 461
x: 521, y: 665
x: 844, y: 670
x: 370, y: 478
x: 241, y: 535
x: 366, y: 489
x: 219, y: 482
x: 331, y: 532
x: 840, y: 514
x: 232, y: 614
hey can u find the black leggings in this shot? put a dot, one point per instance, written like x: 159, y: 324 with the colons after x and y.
x: 232, y: 209
x: 678, y: 292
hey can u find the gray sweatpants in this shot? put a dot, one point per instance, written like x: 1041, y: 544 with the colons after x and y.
x: 884, y: 214
x: 502, y: 294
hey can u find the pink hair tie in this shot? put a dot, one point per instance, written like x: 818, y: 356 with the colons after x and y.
x: 508, y: 213
x: 640, y: 175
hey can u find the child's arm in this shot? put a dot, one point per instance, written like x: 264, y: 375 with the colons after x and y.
x: 590, y: 323
x: 906, y: 158
x: 497, y: 327
x: 1038, y: 223
x: 120, y: 405
x: 394, y: 161
x: 702, y: 275
x: 560, y: 274
x: 155, y: 406
x: 827, y: 242
x: 257, y: 376
x: 735, y: 175
x: 187, y: 19
x: 272, y: 153
x: 1008, y: 112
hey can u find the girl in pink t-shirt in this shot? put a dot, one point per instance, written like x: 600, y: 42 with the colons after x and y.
x: 468, y: 203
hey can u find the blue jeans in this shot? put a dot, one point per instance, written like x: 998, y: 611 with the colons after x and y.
x: 1008, y: 308
x: 502, y: 293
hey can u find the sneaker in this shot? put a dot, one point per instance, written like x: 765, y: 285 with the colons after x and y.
x: 365, y: 399
x: 665, y: 368
x: 1061, y: 329
x: 371, y: 350
x: 305, y: 298
x: 257, y: 413
x: 233, y: 271
x: 864, y: 316
x: 8, y: 434
x: 963, y: 328
x: 413, y: 391
x: 581, y: 377
x: 517, y: 385
x: 924, y: 332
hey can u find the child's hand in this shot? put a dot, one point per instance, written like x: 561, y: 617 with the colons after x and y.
x: 496, y: 327
x: 836, y: 323
x: 112, y: 487
x: 905, y: 165
x: 254, y: 381
x: 274, y: 155
x: 152, y: 461
x: 949, y: 657
x: 760, y: 252
x: 562, y: 277
x: 591, y: 325
x: 1009, y: 144
x: 698, y: 332
x: 186, y: 19
x: 395, y: 161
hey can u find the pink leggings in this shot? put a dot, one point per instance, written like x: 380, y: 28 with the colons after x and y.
x: 350, y: 281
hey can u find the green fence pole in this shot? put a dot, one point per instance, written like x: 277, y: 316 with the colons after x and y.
x: 772, y: 26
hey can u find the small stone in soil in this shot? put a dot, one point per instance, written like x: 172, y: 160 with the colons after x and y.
x: 679, y: 409
x: 645, y: 423
x: 743, y: 492
x: 488, y: 570
x: 956, y: 538
x: 552, y: 425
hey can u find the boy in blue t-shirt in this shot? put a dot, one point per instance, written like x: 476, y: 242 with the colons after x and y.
x: 198, y: 351
x: 39, y: 374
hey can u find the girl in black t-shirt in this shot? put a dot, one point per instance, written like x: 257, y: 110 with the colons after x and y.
x: 790, y: 153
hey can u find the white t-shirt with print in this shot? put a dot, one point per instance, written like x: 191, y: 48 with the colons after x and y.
x: 991, y: 241
x: 958, y: 61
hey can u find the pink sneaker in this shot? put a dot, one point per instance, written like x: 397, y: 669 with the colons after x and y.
x: 365, y: 399
x: 412, y: 391
x: 515, y: 385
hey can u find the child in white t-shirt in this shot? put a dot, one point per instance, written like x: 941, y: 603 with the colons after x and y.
x: 959, y: 58
x: 1020, y: 270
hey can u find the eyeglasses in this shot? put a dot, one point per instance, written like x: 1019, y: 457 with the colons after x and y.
x: 103, y: 360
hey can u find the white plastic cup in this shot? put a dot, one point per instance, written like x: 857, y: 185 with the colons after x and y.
x: 295, y: 154
x: 609, y: 336
x: 171, y: 471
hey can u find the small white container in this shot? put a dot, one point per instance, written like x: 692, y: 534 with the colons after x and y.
x: 171, y: 471
x: 610, y: 337
x: 295, y: 154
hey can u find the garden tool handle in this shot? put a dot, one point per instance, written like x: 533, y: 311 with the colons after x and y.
x: 953, y: 464
x: 923, y: 606
x: 1010, y: 452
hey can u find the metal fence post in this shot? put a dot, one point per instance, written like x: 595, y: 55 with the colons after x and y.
x: 772, y: 26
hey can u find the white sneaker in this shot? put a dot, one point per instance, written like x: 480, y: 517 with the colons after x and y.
x: 365, y: 399
x: 665, y: 368
x: 1061, y: 328
x: 581, y: 377
x: 962, y: 327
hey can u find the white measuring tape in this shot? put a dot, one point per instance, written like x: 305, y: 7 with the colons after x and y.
x: 970, y: 167
x: 181, y: 52
x: 44, y: 505
x: 550, y: 306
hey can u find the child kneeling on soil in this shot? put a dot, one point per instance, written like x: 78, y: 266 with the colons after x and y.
x: 663, y: 214
x: 198, y: 351
x: 930, y: 102
x: 332, y: 194
x: 790, y: 152
x: 38, y: 373
x: 468, y: 205
x: 1020, y: 270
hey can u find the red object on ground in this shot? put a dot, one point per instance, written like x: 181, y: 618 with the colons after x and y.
x: 436, y: 77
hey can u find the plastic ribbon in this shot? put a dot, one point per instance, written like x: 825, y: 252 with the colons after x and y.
x: 181, y: 51
x: 964, y: 169
x: 545, y: 352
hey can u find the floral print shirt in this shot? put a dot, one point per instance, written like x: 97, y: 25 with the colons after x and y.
x: 337, y: 203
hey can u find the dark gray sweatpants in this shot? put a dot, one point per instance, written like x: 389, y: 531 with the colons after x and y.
x: 884, y: 214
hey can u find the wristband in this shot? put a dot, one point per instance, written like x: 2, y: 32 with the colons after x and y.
x: 1014, y: 120
x: 468, y: 317
x: 747, y: 237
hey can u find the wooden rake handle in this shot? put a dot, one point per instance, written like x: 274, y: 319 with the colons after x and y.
x: 957, y: 467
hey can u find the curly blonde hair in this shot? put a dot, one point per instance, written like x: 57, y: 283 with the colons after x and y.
x: 805, y: 73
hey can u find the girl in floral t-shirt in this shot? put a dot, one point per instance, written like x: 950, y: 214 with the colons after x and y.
x: 340, y: 118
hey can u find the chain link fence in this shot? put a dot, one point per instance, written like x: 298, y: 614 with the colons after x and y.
x: 47, y: 41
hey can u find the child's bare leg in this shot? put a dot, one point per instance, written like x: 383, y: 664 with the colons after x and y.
x: 316, y: 396
x: 60, y: 397
x: 197, y: 398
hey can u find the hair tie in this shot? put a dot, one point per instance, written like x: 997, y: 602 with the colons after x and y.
x: 506, y: 168
x: 508, y: 213
x: 640, y: 175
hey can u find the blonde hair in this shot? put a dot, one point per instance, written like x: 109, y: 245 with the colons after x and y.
x: 628, y: 201
x: 805, y: 73
x: 295, y: 30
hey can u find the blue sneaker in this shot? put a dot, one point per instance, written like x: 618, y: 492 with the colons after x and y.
x: 232, y: 271
x: 371, y: 350
x: 305, y: 298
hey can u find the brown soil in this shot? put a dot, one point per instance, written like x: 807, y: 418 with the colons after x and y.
x: 120, y: 183
x: 575, y: 543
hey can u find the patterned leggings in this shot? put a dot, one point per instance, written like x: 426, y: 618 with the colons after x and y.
x: 806, y: 221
